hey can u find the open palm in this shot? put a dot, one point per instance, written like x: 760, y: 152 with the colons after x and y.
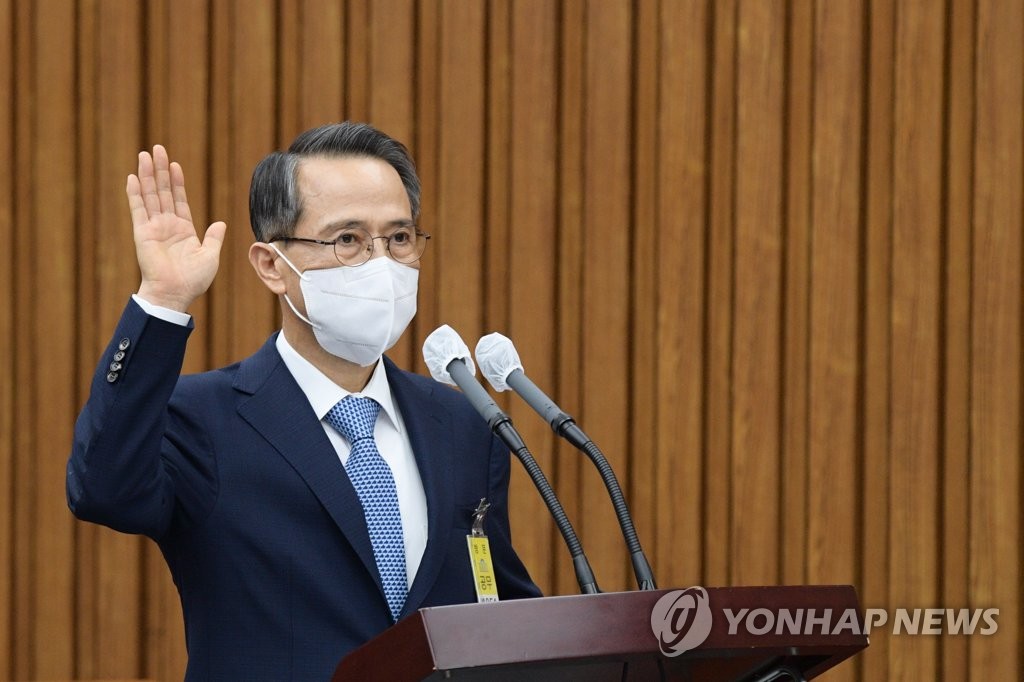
x: 177, y: 268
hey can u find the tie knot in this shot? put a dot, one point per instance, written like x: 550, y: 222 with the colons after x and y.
x: 354, y: 417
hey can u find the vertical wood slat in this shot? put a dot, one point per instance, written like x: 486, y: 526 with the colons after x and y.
x: 52, y: 355
x: 530, y: 284
x: 797, y: 147
x: 641, y: 472
x: 221, y: 186
x: 8, y: 95
x: 22, y: 606
x: 25, y: 126
x: 322, y: 63
x: 251, y: 310
x: 391, y: 60
x: 498, y: 191
x: 677, y: 250
x: 956, y: 481
x: 606, y: 246
x: 357, y: 66
x: 88, y: 331
x: 424, y: 146
x: 571, y: 226
x: 916, y: 247
x: 834, y: 326
x: 995, y: 447
x: 754, y: 470
x: 876, y: 397
x: 835, y: 305
x: 719, y: 294
x: 460, y: 183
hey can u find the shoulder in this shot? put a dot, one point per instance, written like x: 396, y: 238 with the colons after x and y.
x: 245, y: 376
x: 415, y: 392
x: 424, y: 387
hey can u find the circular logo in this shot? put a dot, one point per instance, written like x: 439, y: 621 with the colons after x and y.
x: 681, y: 620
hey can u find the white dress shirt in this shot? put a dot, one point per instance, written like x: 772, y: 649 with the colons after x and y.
x: 389, y: 432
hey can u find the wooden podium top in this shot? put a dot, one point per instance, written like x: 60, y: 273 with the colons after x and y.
x: 608, y: 636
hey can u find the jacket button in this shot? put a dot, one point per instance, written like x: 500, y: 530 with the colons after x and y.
x: 124, y: 344
x: 111, y: 377
x: 119, y: 356
x: 115, y: 366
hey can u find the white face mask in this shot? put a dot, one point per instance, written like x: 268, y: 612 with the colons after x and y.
x: 359, y: 312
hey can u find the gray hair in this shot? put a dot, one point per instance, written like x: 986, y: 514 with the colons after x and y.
x: 275, y: 204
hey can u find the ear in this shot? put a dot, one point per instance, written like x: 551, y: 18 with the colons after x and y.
x: 264, y: 261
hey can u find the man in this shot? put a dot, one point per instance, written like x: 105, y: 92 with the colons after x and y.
x: 313, y: 494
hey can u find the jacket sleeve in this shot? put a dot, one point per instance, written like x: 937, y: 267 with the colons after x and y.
x: 514, y: 581
x: 135, y: 465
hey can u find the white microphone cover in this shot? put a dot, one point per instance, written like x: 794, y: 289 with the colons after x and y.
x: 498, y: 358
x: 442, y: 346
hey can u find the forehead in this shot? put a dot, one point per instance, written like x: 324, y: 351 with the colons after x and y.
x: 351, y: 188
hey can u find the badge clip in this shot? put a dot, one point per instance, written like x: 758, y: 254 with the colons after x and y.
x: 480, y: 556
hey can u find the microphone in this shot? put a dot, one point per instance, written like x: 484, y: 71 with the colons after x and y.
x: 499, y: 362
x: 448, y: 360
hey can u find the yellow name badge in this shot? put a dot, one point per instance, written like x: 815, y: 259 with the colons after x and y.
x: 483, y: 569
x: 480, y: 557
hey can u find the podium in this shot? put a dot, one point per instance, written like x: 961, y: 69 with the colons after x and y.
x: 609, y: 636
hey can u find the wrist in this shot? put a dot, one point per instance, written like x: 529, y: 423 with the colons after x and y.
x: 158, y: 298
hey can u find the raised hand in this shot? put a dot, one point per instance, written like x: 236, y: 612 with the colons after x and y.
x: 177, y: 268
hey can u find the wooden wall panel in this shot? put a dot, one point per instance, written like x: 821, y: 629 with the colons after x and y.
x: 835, y: 306
x: 718, y: 493
x: 995, y: 509
x: 571, y: 231
x: 527, y: 281
x: 835, y: 267
x: 460, y: 179
x: 675, y: 258
x: 797, y: 221
x: 956, y: 479
x: 48, y: 400
x: 425, y: 146
x: 8, y: 96
x: 768, y: 253
x: 251, y: 96
x: 21, y: 606
x: 876, y: 382
x: 644, y: 269
x: 916, y: 244
x: 756, y: 306
x: 606, y: 245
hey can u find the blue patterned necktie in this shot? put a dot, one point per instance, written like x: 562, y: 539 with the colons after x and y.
x: 354, y: 418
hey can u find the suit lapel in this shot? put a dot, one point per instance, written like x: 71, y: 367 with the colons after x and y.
x: 280, y: 412
x: 429, y: 427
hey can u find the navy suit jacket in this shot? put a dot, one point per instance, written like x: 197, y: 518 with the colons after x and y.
x: 231, y: 473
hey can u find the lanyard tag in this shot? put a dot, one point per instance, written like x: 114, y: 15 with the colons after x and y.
x: 480, y: 557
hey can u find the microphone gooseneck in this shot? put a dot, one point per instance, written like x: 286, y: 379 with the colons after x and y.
x: 443, y: 351
x: 500, y: 363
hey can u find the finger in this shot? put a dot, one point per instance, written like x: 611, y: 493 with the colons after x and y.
x: 140, y: 216
x: 214, y: 236
x: 148, y: 184
x: 163, y: 179
x: 178, y: 192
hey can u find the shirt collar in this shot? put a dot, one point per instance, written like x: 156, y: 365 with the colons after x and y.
x: 323, y: 394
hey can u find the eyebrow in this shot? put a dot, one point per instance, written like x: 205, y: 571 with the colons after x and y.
x: 346, y: 224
